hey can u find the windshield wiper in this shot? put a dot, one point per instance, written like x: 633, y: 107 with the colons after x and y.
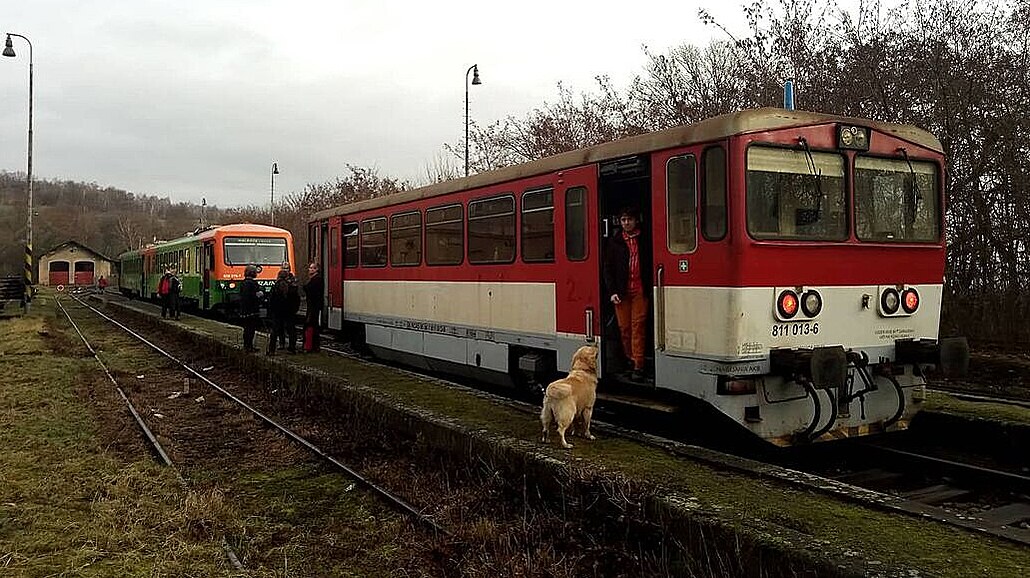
x: 911, y: 196
x: 810, y: 216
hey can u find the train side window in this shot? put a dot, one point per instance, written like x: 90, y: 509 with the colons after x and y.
x: 538, y: 226
x: 681, y: 207
x: 492, y: 230
x: 373, y: 242
x: 445, y: 235
x: 576, y: 223
x: 713, y: 194
x: 406, y: 239
x: 350, y: 237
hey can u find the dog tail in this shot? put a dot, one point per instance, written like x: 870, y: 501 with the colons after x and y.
x: 559, y: 390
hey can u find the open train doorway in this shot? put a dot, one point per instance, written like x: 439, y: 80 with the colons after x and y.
x: 624, y: 187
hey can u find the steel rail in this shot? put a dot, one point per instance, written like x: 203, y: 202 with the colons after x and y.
x: 969, y: 396
x: 382, y: 492
x: 147, y: 432
x: 967, y: 470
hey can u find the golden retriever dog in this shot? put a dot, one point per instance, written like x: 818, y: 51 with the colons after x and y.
x: 573, y: 396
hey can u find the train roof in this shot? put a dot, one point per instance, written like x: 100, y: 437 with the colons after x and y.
x: 209, y: 232
x: 715, y: 128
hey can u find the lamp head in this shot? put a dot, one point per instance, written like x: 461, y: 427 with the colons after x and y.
x: 275, y: 168
x: 475, y: 74
x: 9, y: 47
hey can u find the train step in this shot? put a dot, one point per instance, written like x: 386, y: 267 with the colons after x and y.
x: 637, y: 401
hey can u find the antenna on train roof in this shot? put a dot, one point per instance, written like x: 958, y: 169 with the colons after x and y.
x: 788, y: 94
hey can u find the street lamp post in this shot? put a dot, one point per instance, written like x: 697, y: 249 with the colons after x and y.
x: 474, y: 69
x: 9, y: 51
x: 275, y: 171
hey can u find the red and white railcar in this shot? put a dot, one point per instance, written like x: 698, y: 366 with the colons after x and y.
x: 797, y: 260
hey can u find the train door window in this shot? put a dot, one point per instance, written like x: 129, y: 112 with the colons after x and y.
x: 681, y: 197
x: 445, y: 243
x: 312, y: 243
x: 373, y: 242
x: 538, y: 226
x: 492, y: 230
x: 576, y: 223
x: 406, y: 239
x: 334, y: 244
x: 713, y: 194
x: 350, y: 237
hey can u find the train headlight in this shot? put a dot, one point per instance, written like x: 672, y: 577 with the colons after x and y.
x: 852, y: 137
x: 811, y: 303
x: 787, y: 304
x: 232, y: 285
x: 890, y: 300
x: 910, y: 300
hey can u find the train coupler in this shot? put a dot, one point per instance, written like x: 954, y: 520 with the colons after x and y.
x: 823, y: 367
x: 950, y: 354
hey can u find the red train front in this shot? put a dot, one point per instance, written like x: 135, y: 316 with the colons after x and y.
x: 796, y: 260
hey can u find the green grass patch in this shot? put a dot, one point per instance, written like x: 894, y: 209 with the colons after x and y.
x: 67, y: 504
x: 942, y: 402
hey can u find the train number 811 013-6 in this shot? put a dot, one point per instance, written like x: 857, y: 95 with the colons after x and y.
x: 795, y: 329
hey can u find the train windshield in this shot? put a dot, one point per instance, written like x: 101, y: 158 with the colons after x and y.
x: 896, y: 200
x: 255, y: 250
x: 795, y: 194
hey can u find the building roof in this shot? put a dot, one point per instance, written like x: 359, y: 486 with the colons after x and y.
x: 715, y: 128
x: 80, y: 245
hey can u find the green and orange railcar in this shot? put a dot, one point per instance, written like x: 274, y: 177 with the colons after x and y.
x: 209, y: 263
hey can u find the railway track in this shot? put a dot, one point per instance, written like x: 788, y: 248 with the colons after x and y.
x: 389, y: 497
x: 879, y: 487
x: 148, y: 434
x: 929, y: 482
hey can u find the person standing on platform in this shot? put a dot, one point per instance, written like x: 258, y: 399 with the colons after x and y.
x: 250, y: 306
x: 174, y: 288
x: 164, y: 292
x: 313, y: 294
x: 283, y: 304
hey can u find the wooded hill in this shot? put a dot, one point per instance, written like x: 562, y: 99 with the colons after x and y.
x: 106, y: 219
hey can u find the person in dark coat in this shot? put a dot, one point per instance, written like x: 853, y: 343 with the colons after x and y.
x: 313, y: 294
x: 628, y: 287
x: 250, y: 306
x: 168, y: 290
x: 283, y: 304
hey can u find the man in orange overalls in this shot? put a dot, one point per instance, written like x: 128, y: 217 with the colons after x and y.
x: 628, y: 287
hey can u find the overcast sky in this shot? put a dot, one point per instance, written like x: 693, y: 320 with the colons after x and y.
x: 193, y: 98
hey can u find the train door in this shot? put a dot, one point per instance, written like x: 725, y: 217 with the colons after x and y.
x: 323, y: 261
x: 334, y: 277
x: 208, y: 261
x: 576, y: 291
x: 626, y: 184
x: 148, y: 268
